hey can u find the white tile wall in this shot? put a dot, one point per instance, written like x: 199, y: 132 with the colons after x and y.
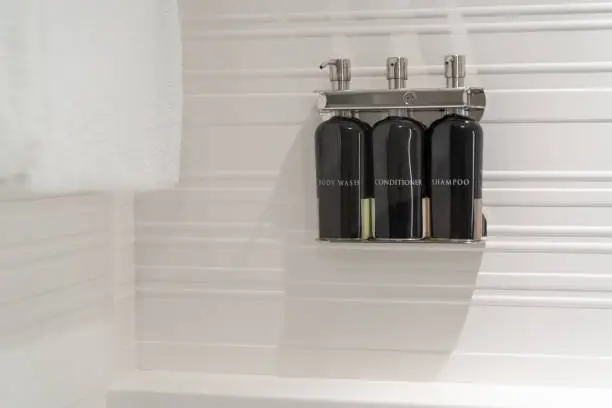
x: 229, y: 277
x: 66, y: 298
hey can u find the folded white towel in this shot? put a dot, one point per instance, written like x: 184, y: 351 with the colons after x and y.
x: 90, y: 94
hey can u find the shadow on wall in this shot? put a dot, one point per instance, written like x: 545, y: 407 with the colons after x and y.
x: 379, y: 311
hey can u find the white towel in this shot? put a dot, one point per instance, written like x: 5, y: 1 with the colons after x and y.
x: 90, y: 94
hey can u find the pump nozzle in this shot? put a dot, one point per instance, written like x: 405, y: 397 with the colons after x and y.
x: 397, y: 72
x: 339, y: 72
x: 454, y: 70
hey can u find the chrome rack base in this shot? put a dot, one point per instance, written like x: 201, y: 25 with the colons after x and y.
x: 426, y: 102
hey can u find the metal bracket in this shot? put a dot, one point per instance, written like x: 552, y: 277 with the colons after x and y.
x: 417, y: 101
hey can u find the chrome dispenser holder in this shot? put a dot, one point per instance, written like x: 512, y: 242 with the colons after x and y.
x: 425, y: 105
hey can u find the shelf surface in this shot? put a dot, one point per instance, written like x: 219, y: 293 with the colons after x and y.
x: 196, y: 390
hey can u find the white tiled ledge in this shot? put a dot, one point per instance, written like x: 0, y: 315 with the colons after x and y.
x: 193, y: 390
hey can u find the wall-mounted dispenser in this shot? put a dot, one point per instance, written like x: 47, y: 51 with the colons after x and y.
x: 343, y: 161
x: 426, y: 183
x: 398, y: 147
x: 456, y: 167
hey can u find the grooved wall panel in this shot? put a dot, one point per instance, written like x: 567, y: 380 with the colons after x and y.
x: 66, y: 298
x: 230, y: 279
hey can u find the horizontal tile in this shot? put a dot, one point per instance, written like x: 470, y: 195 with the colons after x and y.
x: 287, y: 47
x: 50, y: 248
x: 52, y: 217
x: 209, y: 358
x: 413, y: 69
x: 369, y: 10
x: 424, y: 28
x: 546, y: 262
x: 552, y: 291
x: 547, y: 197
x: 210, y: 279
x: 360, y: 364
x: 206, y: 192
x: 20, y: 314
x: 555, y: 198
x: 572, y: 221
x: 503, y: 76
x: 394, y: 22
x: 514, y: 146
x: 211, y: 274
x: 38, y: 277
x: 520, y: 146
x: 526, y: 369
x: 31, y: 360
x: 240, y: 253
x: 502, y: 106
x: 378, y: 292
x: 516, y: 104
x: 549, y: 299
x: 228, y: 287
x: 220, y: 148
x: 228, y: 179
x: 537, y: 331
x: 549, y: 246
x: 525, y: 280
x: 95, y: 400
x: 373, y: 325
x: 536, y: 242
x: 256, y: 108
x: 559, y: 222
x: 367, y: 260
x: 406, y: 273
x: 559, y: 231
x: 206, y: 230
x: 548, y: 179
x: 209, y: 317
x: 203, y: 205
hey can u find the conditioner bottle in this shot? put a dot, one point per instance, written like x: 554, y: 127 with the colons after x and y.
x: 398, y: 145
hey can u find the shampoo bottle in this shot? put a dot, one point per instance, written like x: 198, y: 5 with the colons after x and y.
x: 456, y: 168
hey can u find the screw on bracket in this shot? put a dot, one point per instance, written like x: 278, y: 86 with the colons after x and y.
x: 409, y: 98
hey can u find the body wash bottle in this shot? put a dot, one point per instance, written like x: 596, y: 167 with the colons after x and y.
x: 456, y: 168
x: 343, y: 168
x: 398, y: 146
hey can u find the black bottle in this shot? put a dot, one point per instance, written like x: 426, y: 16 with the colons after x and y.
x: 456, y: 169
x: 398, y: 146
x: 343, y: 169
